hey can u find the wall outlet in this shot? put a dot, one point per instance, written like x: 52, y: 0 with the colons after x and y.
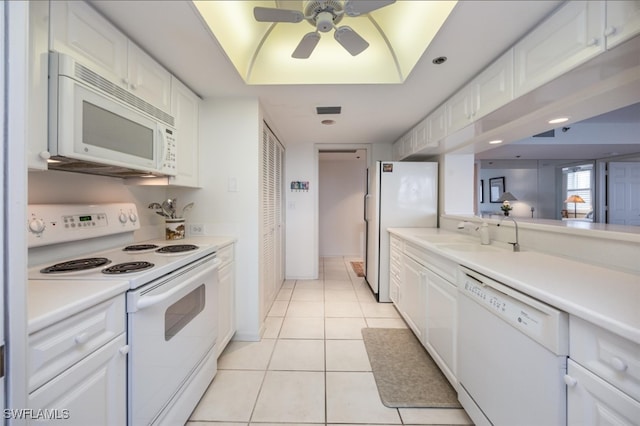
x: 196, y: 229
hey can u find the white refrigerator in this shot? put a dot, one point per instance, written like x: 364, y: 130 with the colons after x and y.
x: 399, y: 195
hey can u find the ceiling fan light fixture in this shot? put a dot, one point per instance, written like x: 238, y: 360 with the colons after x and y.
x: 324, y: 22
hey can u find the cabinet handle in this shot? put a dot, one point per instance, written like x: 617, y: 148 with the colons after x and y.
x: 81, y: 338
x: 570, y: 381
x: 124, y: 350
x: 610, y: 31
x: 618, y: 364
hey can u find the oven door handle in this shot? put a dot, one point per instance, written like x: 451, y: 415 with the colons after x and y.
x: 147, y: 301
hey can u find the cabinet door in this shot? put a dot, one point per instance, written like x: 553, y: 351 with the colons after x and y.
x: 185, y: 108
x: 92, y: 392
x: 592, y: 401
x: 226, y: 307
x: 412, y: 296
x: 493, y: 87
x: 38, y: 34
x: 459, y: 110
x: 570, y: 37
x: 81, y: 32
x: 148, y: 80
x: 442, y: 311
x: 422, y: 136
x: 623, y: 21
x: 437, y: 126
x: 395, y: 271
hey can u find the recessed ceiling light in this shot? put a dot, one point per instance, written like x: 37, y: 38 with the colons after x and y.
x: 495, y: 142
x: 328, y: 122
x: 559, y: 120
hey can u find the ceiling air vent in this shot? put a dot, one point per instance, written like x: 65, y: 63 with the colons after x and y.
x: 328, y: 110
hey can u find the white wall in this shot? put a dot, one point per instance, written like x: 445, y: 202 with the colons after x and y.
x: 302, y: 218
x: 229, y: 150
x: 57, y: 187
x: 342, y: 186
x: 302, y: 207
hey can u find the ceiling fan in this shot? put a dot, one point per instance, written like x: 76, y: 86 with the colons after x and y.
x: 324, y: 16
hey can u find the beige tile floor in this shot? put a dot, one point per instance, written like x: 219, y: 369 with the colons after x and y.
x: 311, y: 366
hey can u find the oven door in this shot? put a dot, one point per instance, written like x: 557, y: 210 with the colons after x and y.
x: 172, y: 326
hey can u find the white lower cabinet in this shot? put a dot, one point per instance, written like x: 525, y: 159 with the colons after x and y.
x: 226, y: 298
x: 411, y: 300
x: 442, y: 312
x: 603, y: 376
x: 92, y: 392
x: 427, y: 299
x: 77, y: 367
x: 593, y: 401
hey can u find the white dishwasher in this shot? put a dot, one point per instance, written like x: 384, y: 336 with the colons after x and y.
x: 512, y: 355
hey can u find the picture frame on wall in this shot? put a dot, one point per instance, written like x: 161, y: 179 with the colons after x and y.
x: 496, y: 189
x: 481, y: 191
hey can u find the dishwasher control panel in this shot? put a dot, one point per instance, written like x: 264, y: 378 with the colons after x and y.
x: 511, y: 310
x: 541, y: 322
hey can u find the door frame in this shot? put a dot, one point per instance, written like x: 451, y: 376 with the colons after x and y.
x: 326, y: 147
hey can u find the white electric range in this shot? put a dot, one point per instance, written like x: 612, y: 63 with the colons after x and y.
x: 171, y: 303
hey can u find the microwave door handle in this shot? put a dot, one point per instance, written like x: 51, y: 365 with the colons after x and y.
x: 148, y: 301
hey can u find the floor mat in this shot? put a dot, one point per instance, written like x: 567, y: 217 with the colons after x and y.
x: 358, y: 268
x: 405, y: 374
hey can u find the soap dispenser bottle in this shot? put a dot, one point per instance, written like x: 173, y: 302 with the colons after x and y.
x: 484, y: 234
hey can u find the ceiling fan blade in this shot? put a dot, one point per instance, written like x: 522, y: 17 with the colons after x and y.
x: 306, y: 46
x: 350, y: 40
x: 269, y: 14
x: 360, y: 7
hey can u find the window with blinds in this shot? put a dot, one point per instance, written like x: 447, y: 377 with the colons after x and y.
x: 579, y: 181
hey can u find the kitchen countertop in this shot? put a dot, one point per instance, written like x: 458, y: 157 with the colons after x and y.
x: 50, y: 301
x: 605, y: 297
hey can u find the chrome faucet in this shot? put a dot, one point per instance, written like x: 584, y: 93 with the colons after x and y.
x: 516, y: 245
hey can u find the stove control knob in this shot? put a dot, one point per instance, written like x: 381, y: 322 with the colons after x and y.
x: 132, y: 217
x: 122, y: 218
x: 36, y: 226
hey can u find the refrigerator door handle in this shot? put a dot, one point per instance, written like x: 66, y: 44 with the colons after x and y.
x: 366, y: 207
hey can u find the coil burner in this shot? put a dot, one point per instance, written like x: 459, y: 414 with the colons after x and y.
x: 127, y: 267
x: 76, y: 265
x: 176, y: 248
x: 136, y: 248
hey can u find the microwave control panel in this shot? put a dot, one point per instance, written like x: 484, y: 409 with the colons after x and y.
x: 170, y: 160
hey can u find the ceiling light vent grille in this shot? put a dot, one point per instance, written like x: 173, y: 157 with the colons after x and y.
x: 328, y: 110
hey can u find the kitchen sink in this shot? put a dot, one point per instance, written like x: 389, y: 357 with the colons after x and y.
x: 438, y: 239
x: 469, y: 247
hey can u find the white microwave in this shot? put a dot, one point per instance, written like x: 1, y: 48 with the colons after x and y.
x: 98, y: 127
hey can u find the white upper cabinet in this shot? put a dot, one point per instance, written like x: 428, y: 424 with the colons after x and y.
x: 38, y: 50
x: 568, y: 38
x: 148, y: 80
x: 81, y: 32
x: 623, y: 21
x: 493, y: 87
x: 185, y: 108
x: 422, y: 136
x: 437, y: 127
x: 488, y: 91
